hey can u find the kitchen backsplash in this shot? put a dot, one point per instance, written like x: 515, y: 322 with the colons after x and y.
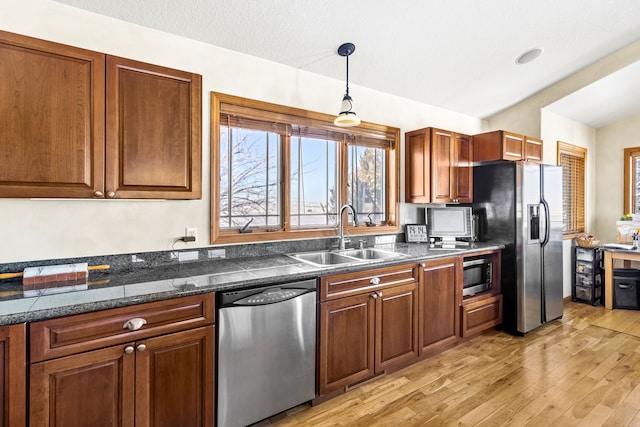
x: 133, y: 261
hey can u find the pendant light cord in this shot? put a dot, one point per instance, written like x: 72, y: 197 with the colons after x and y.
x: 347, y: 79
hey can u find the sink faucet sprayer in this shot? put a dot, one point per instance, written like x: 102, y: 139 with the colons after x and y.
x: 341, y: 224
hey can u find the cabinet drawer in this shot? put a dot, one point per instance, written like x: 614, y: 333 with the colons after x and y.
x: 341, y: 285
x: 586, y: 280
x: 480, y: 315
x: 73, y: 334
x: 586, y: 254
x: 587, y: 294
x: 584, y: 267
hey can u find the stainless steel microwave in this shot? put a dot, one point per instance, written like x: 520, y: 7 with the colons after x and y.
x: 477, y: 275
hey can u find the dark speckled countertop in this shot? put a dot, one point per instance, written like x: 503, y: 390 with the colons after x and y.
x: 120, y: 288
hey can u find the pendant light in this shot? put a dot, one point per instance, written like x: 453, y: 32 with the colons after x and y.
x: 347, y: 116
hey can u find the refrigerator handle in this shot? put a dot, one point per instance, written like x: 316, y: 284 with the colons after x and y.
x: 547, y: 221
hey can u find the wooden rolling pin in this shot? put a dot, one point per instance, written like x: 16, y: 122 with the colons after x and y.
x: 90, y: 268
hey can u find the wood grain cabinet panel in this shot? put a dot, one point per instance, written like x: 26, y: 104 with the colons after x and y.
x: 440, y: 288
x: 51, y: 119
x: 13, y: 375
x: 88, y: 389
x: 81, y: 332
x: 396, y: 326
x: 438, y: 167
x: 503, y: 145
x: 532, y: 149
x: 442, y: 152
x: 481, y: 314
x: 81, y: 124
x: 153, y: 131
x: 417, y: 147
x: 175, y: 379
x: 369, y: 329
x: 161, y: 376
x: 462, y: 168
x: 346, y: 342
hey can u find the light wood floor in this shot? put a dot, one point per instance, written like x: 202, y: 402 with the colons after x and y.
x: 565, y: 373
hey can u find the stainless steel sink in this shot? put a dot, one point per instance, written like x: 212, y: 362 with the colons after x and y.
x: 370, y: 254
x: 325, y: 258
x: 344, y: 257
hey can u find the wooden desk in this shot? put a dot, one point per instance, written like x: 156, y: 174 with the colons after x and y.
x: 609, y: 257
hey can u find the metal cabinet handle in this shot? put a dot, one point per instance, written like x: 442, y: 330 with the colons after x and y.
x: 141, y: 347
x: 380, y: 294
x: 111, y: 194
x: 128, y: 349
x: 375, y: 281
x: 374, y: 295
x: 98, y: 194
x: 134, y: 324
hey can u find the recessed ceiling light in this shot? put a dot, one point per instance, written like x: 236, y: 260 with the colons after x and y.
x: 529, y: 55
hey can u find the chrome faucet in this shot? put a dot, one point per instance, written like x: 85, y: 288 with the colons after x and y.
x: 341, y: 224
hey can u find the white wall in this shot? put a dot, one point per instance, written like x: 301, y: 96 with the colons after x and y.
x: 554, y: 128
x: 612, y: 140
x: 42, y: 229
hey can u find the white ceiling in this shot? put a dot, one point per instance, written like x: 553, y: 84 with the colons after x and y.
x: 456, y: 54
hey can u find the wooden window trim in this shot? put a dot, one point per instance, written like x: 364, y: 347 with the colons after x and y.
x: 629, y: 178
x: 369, y: 134
x: 581, y: 153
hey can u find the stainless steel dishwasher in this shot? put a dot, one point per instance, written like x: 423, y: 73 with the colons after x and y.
x: 266, y: 351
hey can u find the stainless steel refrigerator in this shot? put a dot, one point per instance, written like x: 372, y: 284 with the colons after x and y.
x: 519, y: 204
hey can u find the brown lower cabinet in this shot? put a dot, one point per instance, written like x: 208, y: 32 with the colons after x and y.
x: 440, y: 289
x: 13, y: 354
x: 368, y: 324
x: 163, y: 375
x: 383, y: 319
x: 480, y: 314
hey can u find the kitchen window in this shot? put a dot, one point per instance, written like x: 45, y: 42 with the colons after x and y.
x: 573, y: 160
x: 632, y: 180
x: 279, y: 173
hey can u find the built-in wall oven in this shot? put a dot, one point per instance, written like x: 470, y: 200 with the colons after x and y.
x: 477, y: 275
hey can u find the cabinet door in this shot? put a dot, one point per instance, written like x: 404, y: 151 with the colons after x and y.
x: 346, y: 342
x: 51, y: 119
x: 481, y: 314
x: 442, y: 151
x: 87, y: 389
x: 462, y: 169
x: 513, y: 146
x: 533, y: 149
x: 439, y: 304
x: 417, y: 164
x: 153, y: 131
x: 175, y: 379
x: 396, y: 326
x: 13, y: 375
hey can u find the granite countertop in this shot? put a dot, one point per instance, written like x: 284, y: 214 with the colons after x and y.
x: 116, y: 289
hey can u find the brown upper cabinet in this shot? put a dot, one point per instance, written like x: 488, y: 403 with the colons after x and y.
x: 81, y: 124
x: 438, y: 167
x: 502, y: 145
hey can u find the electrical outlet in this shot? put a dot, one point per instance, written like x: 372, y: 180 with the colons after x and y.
x: 191, y: 232
x: 216, y: 253
x: 187, y: 256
